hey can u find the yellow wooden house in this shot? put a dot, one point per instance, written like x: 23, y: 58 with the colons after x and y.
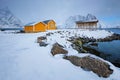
x: 50, y: 24
x: 40, y: 26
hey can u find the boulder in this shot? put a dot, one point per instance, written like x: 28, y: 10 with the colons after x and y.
x: 49, y: 34
x: 39, y: 39
x: 99, y: 67
x: 58, y: 49
x: 43, y: 44
x: 78, y: 45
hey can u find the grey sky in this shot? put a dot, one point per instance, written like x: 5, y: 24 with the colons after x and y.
x: 36, y: 10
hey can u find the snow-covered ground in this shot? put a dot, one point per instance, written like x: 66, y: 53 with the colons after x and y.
x: 21, y: 58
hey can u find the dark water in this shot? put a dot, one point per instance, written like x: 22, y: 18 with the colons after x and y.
x: 3, y: 29
x: 115, y: 30
x: 111, y: 50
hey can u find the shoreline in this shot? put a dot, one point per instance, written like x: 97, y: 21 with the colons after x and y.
x: 85, y: 44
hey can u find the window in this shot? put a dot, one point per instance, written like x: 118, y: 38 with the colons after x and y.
x: 51, y: 25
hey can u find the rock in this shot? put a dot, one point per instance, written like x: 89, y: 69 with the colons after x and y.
x: 99, y: 67
x: 62, y: 37
x: 93, y: 44
x: 43, y: 44
x: 39, y: 39
x: 78, y: 45
x: 92, y: 50
x: 58, y: 49
x: 49, y: 34
x: 86, y: 39
x: 116, y: 36
x: 110, y: 38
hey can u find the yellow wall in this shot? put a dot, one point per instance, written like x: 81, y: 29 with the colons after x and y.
x: 40, y: 27
x: 51, y: 25
x: 28, y: 28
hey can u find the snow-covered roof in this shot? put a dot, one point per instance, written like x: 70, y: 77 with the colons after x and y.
x: 91, y: 21
x: 33, y: 23
x: 46, y: 21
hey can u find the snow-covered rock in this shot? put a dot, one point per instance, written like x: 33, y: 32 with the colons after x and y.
x: 8, y: 20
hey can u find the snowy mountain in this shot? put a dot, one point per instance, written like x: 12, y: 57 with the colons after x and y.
x: 8, y: 20
x: 70, y: 22
x: 117, y: 26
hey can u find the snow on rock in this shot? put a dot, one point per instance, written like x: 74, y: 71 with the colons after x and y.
x: 84, y: 33
x: 21, y: 57
x: 97, y: 34
x: 89, y: 63
x: 58, y: 49
x: 8, y: 20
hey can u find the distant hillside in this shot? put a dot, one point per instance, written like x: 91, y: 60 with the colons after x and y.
x: 117, y: 26
x: 70, y: 22
x: 8, y: 20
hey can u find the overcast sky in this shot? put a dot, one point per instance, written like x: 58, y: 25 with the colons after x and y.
x: 107, y: 11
